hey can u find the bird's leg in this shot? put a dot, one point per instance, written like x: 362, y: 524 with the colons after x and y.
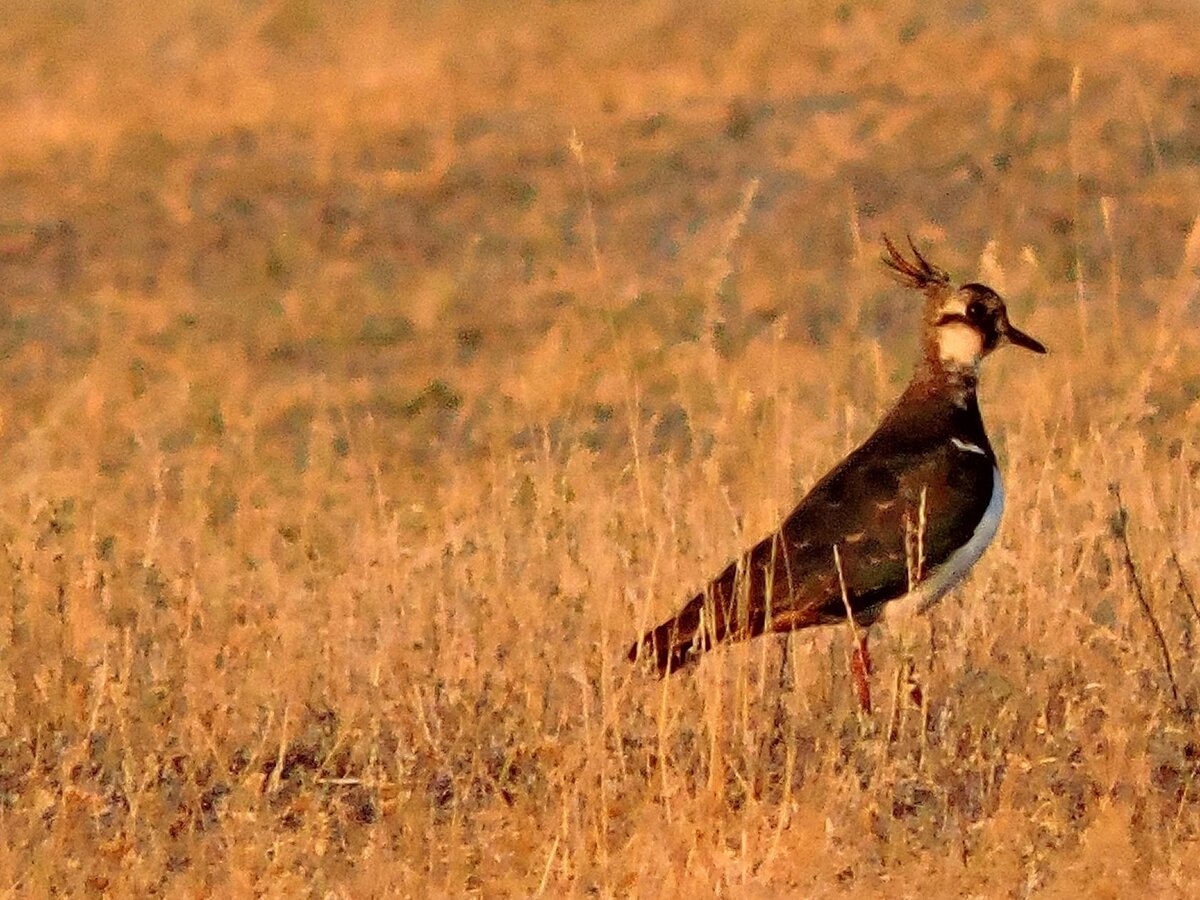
x: 914, y: 683
x: 785, y: 671
x: 915, y: 694
x: 860, y: 668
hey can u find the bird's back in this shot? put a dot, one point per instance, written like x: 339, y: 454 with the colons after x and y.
x: 896, y: 509
x: 909, y: 511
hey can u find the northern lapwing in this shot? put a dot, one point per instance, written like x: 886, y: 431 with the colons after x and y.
x: 899, y: 522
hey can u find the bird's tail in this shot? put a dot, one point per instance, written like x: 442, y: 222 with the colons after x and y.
x: 732, y: 607
x: 670, y: 644
x: 707, y: 619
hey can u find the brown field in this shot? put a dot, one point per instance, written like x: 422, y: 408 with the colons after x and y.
x: 373, y: 375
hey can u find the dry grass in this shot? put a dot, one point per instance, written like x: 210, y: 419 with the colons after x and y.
x: 356, y: 417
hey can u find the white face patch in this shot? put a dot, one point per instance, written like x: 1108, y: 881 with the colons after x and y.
x: 959, y: 345
x: 955, y: 305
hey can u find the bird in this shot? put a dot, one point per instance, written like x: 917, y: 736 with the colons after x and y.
x: 897, y: 523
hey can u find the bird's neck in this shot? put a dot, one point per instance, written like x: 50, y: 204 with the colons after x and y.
x: 936, y: 377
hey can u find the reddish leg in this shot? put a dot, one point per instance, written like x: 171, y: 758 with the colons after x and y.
x: 915, y: 694
x: 860, y: 668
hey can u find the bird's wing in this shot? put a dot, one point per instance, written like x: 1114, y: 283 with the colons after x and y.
x: 895, y: 510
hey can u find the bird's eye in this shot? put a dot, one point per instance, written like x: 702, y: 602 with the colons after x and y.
x: 976, y: 309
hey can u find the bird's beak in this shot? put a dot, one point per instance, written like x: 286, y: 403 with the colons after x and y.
x: 1021, y: 339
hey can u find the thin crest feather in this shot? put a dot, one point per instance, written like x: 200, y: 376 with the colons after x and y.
x: 921, y: 275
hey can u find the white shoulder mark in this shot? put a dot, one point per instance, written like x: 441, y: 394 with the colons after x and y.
x: 968, y: 447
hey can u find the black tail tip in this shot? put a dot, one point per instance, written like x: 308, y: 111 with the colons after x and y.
x: 663, y: 658
x: 635, y: 650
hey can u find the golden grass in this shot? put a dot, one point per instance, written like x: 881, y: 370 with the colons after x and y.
x: 372, y: 378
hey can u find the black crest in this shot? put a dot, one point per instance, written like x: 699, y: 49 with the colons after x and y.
x: 919, y: 274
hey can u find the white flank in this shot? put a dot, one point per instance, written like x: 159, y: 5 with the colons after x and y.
x: 941, y: 579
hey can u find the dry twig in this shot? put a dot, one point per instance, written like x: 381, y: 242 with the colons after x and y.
x: 1121, y: 530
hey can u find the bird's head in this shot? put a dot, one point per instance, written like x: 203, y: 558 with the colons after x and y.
x: 963, y: 324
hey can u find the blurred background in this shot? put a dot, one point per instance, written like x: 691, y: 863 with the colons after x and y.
x: 389, y: 195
